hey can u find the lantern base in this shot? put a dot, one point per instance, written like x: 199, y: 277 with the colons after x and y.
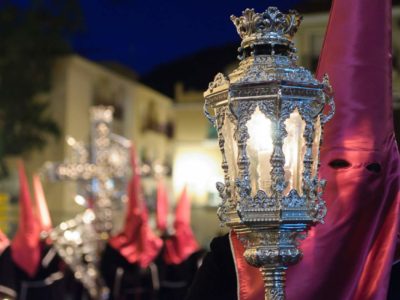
x: 274, y: 282
x: 272, y: 250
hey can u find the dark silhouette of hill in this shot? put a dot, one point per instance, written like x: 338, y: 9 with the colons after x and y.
x: 195, y: 70
x: 313, y: 6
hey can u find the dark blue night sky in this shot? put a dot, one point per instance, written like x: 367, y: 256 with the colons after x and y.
x: 144, y: 34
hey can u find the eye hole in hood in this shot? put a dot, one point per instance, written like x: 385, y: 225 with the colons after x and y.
x: 374, y: 167
x: 339, y: 164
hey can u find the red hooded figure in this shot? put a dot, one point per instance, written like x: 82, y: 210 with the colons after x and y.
x: 149, y: 243
x: 350, y: 256
x: 127, y: 262
x: 137, y: 242
x: 42, y: 210
x: 25, y: 246
x: 183, y: 243
x: 133, y: 212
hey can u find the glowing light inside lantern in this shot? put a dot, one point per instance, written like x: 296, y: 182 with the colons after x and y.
x: 294, y: 148
x: 259, y: 149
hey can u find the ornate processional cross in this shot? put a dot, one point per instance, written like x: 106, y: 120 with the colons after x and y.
x: 100, y: 170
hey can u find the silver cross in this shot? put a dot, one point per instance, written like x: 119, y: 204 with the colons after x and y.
x: 98, y: 167
x: 100, y: 170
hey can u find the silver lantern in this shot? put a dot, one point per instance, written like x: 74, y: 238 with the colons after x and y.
x: 269, y: 117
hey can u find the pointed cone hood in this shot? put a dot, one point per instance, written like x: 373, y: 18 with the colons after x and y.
x: 357, y: 57
x: 137, y: 243
x: 350, y: 256
x: 150, y: 243
x: 133, y: 210
x: 162, y: 206
x: 145, y: 245
x: 180, y: 246
x: 4, y: 242
x: 42, y: 210
x: 25, y: 247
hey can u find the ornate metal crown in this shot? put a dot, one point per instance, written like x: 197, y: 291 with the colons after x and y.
x: 269, y: 27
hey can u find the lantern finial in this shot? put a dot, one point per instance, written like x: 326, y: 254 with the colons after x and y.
x: 270, y: 27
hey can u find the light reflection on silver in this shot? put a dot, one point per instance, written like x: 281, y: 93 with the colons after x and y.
x: 77, y: 242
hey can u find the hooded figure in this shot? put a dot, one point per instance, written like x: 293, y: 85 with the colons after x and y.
x: 350, y: 256
x: 127, y: 263
x: 181, y: 256
x: 183, y: 243
x: 34, y: 269
x: 49, y: 281
x: 42, y: 210
x: 25, y: 246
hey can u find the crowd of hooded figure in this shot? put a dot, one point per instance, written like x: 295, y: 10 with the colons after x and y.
x: 137, y: 263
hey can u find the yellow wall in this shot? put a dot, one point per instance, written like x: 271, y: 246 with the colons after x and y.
x: 197, y: 163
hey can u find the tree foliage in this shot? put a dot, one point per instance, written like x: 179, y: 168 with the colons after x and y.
x: 31, y: 37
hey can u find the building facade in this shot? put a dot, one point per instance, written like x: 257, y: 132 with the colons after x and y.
x: 141, y: 114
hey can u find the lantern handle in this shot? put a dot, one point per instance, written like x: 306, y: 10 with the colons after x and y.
x: 210, y: 118
x: 232, y: 111
x: 326, y: 118
x: 329, y: 99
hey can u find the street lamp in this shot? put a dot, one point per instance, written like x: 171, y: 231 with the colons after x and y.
x: 269, y: 117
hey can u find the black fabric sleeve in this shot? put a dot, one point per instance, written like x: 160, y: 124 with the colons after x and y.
x: 9, y: 283
x: 216, y: 278
x: 394, y: 288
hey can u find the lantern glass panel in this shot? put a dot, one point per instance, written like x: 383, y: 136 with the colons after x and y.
x: 315, y: 146
x: 231, y: 149
x: 259, y: 151
x: 294, y: 149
